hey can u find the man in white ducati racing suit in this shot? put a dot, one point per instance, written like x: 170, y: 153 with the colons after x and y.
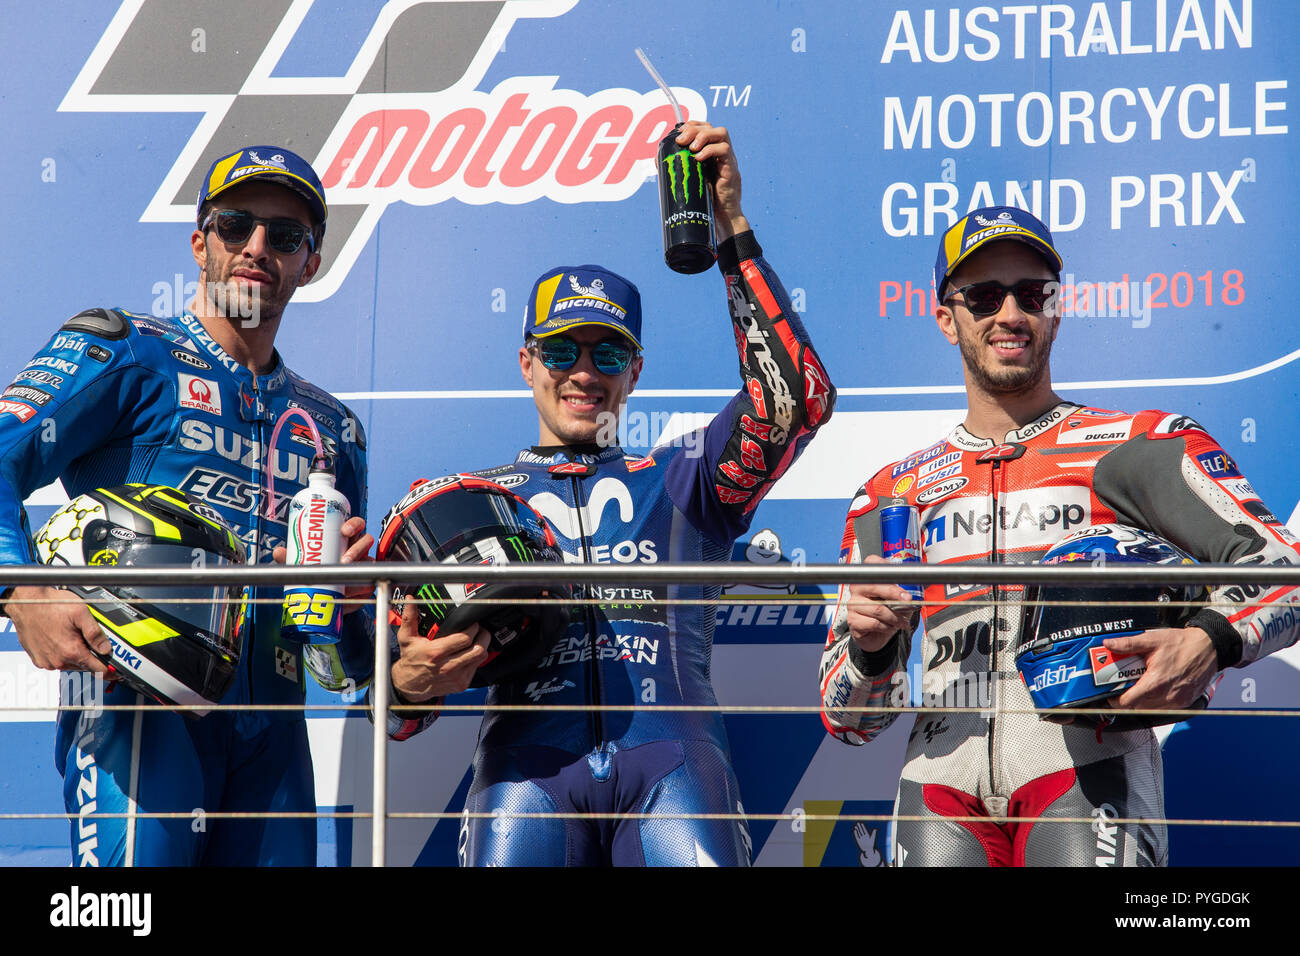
x: 1022, y: 470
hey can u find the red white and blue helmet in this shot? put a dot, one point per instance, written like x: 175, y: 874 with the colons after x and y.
x: 462, y: 519
x: 1061, y: 657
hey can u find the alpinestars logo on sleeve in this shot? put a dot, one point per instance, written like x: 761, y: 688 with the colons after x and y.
x: 403, y: 121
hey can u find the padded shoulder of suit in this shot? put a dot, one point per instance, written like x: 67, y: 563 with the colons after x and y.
x: 104, y: 323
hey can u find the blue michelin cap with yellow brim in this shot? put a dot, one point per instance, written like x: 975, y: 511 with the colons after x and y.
x: 570, y: 296
x: 991, y: 224
x: 266, y: 163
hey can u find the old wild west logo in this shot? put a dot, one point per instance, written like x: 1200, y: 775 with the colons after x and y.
x: 404, y: 121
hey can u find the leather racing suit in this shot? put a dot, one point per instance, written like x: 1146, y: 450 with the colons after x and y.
x: 684, y: 502
x: 117, y: 397
x: 1008, y: 503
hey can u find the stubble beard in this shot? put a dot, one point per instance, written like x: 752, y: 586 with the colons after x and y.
x: 1010, y: 380
x: 249, y: 306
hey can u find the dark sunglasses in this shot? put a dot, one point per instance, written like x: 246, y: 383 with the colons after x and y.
x: 610, y: 356
x: 234, y: 226
x: 985, y: 298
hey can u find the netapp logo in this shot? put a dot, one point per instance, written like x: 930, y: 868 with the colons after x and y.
x: 963, y: 527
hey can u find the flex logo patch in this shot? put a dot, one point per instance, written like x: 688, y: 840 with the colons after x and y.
x: 401, y: 119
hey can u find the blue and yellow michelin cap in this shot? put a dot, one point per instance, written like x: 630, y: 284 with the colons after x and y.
x: 275, y: 163
x: 569, y: 296
x: 989, y: 225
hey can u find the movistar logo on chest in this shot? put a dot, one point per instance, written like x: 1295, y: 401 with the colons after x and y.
x: 1033, y: 520
x: 393, y: 123
x: 574, y: 522
x: 586, y: 522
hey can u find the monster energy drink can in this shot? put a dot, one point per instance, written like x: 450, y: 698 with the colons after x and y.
x: 686, y: 205
x: 900, y: 541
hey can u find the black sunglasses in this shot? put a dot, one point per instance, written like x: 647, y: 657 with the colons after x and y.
x: 985, y: 298
x: 234, y: 226
x: 611, y: 356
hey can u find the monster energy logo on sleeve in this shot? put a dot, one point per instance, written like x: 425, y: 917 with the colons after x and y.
x: 687, y: 162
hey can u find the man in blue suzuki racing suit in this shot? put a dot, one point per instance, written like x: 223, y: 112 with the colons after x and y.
x: 190, y: 402
x: 684, y: 502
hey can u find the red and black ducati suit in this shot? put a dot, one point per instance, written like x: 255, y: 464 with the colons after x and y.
x: 1008, y: 503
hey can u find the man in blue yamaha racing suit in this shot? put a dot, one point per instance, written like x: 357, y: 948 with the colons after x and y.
x: 190, y: 401
x: 683, y: 503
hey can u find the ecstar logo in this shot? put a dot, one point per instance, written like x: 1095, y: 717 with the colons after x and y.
x: 403, y: 122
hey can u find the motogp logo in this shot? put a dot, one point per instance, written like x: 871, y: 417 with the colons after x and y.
x: 394, y: 113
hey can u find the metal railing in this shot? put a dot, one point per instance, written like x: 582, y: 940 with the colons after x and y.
x: 384, y: 576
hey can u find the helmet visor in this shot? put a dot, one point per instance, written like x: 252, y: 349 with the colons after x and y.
x: 215, y: 613
x: 1054, y: 614
x: 446, y: 522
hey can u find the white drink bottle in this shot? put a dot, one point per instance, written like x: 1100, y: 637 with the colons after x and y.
x: 314, y: 614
